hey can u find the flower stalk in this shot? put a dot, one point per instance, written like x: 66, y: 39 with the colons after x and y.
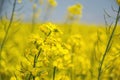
x: 108, y: 45
x: 9, y: 26
x: 7, y: 31
x: 54, y: 71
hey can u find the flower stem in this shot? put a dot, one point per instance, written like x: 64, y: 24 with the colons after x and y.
x: 8, y: 28
x: 6, y: 32
x: 108, y: 44
x: 54, y: 70
x: 34, y: 63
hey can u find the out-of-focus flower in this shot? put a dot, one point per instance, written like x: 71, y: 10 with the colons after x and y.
x: 75, y: 9
x: 118, y: 2
x: 34, y: 6
x: 34, y: 71
x: 19, y: 1
x: 52, y: 3
x: 13, y: 78
x: 37, y: 78
x: 49, y: 28
x: 58, y: 63
x: 74, y: 13
x: 63, y: 77
x: 34, y: 51
x: 35, y: 38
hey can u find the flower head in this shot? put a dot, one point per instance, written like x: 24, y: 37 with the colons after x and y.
x: 75, y: 9
x: 49, y: 28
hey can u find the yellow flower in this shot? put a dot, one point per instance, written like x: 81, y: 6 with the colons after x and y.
x: 13, y: 78
x: 27, y: 51
x: 62, y: 77
x: 34, y: 51
x: 52, y: 3
x: 75, y: 9
x: 35, y: 38
x: 67, y: 57
x: 37, y: 78
x: 48, y: 28
x: 34, y: 71
x: 118, y: 2
x: 44, y: 29
x: 58, y: 63
x: 44, y: 74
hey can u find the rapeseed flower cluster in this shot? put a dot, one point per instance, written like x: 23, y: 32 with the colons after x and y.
x: 49, y: 52
x: 46, y: 52
x: 74, y: 12
x: 75, y: 9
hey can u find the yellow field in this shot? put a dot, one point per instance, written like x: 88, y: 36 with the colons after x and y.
x: 38, y: 49
x: 66, y: 51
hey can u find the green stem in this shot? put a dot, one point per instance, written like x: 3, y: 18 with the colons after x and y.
x: 6, y: 34
x: 72, y: 58
x: 34, y: 64
x: 108, y: 44
x: 36, y: 58
x: 10, y: 23
x: 54, y: 70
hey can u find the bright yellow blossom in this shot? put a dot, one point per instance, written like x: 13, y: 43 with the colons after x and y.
x: 75, y: 9
x: 13, y: 78
x: 34, y: 51
x: 49, y: 28
x: 58, y: 63
x: 34, y: 71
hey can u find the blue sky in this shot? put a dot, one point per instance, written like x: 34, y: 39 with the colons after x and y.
x: 93, y: 10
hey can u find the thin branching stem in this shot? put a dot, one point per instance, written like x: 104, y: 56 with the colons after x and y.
x: 36, y: 59
x: 108, y: 44
x: 34, y: 64
x: 8, y: 28
x: 54, y: 71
